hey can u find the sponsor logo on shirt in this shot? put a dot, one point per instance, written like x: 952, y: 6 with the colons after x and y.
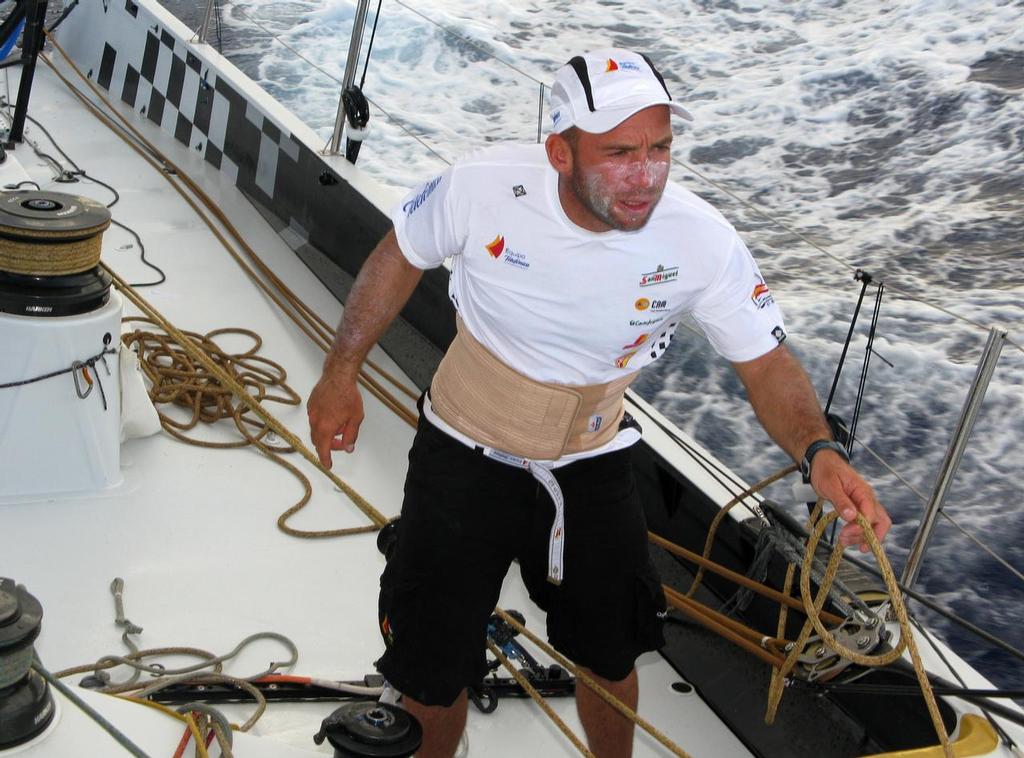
x: 496, y: 246
x: 637, y: 342
x: 623, y: 360
x: 556, y: 116
x: 616, y: 65
x: 761, y: 296
x: 779, y: 334
x: 519, y: 190
x: 421, y: 197
x: 594, y: 424
x: 642, y: 304
x: 644, y: 322
x: 660, y: 345
x: 659, y: 276
x: 498, y: 249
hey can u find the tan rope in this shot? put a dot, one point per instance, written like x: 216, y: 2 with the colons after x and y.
x: 738, y: 578
x: 240, y: 392
x: 898, y: 607
x: 713, y: 529
x: 50, y: 255
x: 600, y: 691
x: 530, y: 690
x: 739, y: 634
x: 175, y: 378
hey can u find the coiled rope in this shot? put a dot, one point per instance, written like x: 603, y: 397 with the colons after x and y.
x: 176, y: 378
x: 239, y: 390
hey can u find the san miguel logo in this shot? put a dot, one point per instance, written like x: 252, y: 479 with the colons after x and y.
x: 496, y: 247
x: 659, y: 276
x: 761, y: 297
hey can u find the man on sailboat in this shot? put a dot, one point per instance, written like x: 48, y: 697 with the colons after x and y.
x: 571, y: 266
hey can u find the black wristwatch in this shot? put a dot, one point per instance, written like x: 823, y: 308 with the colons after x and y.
x: 816, y: 447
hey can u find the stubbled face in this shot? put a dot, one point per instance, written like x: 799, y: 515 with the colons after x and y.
x: 617, y: 178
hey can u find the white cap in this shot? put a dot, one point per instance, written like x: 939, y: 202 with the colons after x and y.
x: 599, y: 90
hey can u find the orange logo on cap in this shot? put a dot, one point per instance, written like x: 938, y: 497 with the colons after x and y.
x: 612, y: 66
x: 496, y: 246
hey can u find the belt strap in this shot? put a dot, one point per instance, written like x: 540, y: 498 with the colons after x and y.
x: 546, y: 478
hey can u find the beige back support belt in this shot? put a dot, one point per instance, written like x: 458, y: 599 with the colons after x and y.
x: 495, y: 405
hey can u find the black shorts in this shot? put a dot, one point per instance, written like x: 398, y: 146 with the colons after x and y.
x: 465, y: 518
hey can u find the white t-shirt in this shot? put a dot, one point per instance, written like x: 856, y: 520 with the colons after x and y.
x: 562, y: 304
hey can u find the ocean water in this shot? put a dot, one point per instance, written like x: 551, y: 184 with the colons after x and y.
x: 889, y: 133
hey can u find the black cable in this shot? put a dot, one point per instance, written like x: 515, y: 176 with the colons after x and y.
x: 91, y: 178
x: 142, y: 251
x: 60, y: 19
x: 864, y: 367
x: 54, y: 143
x: 865, y: 280
x: 117, y: 197
x: 369, y: 47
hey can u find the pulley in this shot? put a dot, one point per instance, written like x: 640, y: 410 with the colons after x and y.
x: 26, y: 706
x: 370, y: 730
x: 50, y: 252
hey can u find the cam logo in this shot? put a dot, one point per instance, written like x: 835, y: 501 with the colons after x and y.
x: 496, y: 246
x: 659, y: 276
x: 642, y: 304
x: 761, y: 297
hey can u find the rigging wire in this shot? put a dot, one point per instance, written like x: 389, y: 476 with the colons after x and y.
x: 392, y: 118
x: 369, y: 48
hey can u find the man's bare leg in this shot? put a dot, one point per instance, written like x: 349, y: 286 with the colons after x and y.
x: 442, y: 726
x: 609, y: 733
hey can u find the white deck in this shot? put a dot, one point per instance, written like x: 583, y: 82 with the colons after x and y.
x: 192, y: 531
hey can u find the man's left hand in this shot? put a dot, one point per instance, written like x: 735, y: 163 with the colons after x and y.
x: 836, y: 480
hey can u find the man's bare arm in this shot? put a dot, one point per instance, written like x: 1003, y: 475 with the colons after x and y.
x: 785, y: 403
x: 384, y: 285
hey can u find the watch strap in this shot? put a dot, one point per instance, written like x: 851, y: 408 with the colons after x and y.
x: 816, y: 447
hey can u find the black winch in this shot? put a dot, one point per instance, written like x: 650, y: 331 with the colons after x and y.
x: 49, y: 254
x: 371, y: 730
x: 26, y: 706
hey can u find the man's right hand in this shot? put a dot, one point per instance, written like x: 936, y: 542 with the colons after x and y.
x: 335, y: 411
